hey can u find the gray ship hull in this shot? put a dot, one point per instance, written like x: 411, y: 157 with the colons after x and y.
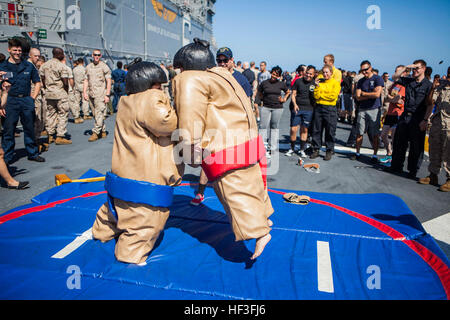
x: 151, y: 29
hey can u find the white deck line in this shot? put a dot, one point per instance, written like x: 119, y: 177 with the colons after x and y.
x: 324, y: 269
x: 439, y: 228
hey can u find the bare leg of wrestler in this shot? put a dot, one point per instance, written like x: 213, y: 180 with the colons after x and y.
x: 249, y: 209
x: 260, y: 245
x: 202, y: 182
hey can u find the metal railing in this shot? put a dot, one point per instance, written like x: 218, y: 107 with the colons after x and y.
x: 31, y: 17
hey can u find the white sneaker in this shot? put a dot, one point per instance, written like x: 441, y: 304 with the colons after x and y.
x: 268, y: 156
x: 302, y: 153
x: 289, y: 153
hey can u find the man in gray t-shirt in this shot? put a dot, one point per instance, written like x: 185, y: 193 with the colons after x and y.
x: 368, y: 93
x: 263, y: 74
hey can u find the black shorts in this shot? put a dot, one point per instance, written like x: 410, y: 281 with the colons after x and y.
x: 390, y: 120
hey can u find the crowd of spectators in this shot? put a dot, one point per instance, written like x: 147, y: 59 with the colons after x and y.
x: 395, y: 113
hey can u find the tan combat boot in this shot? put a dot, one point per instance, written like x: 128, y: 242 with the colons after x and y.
x: 87, y: 117
x: 43, y: 147
x: 61, y: 140
x: 104, y: 134
x: 445, y: 187
x: 94, y: 137
x: 51, y: 139
x: 78, y: 120
x: 431, y: 179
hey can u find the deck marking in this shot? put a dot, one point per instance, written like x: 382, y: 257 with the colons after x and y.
x: 324, y: 269
x: 74, y: 245
x: 439, y: 228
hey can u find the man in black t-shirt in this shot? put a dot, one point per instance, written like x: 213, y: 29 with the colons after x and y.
x: 302, y: 110
x: 248, y: 73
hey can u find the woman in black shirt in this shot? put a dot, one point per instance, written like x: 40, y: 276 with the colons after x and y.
x: 273, y: 93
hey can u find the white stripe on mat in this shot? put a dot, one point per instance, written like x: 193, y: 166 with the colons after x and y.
x: 74, y: 245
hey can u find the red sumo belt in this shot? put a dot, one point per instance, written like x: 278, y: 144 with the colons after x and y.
x: 236, y: 157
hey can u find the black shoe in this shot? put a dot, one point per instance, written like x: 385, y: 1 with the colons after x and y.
x: 412, y: 175
x: 392, y: 170
x: 314, y: 155
x: 328, y: 155
x: 355, y: 156
x: 374, y: 160
x: 37, y: 159
x: 21, y: 186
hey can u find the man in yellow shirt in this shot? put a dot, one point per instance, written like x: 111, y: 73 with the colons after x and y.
x: 329, y: 61
x: 326, y: 94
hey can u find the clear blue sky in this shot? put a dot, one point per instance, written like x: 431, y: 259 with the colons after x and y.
x: 290, y: 32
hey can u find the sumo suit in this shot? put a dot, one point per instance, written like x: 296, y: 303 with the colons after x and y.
x: 215, y: 113
x: 143, y: 152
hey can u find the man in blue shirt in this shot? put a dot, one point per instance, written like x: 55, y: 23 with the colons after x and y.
x: 20, y: 103
x: 368, y: 93
x: 224, y: 58
x: 118, y: 76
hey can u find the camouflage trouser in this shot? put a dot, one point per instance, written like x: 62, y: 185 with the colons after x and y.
x: 73, y: 106
x: 40, y: 107
x: 109, y: 107
x: 439, y: 150
x: 98, y: 109
x: 57, y: 116
x: 78, y: 99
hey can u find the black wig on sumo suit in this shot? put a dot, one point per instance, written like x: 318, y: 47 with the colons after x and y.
x: 142, y: 75
x: 194, y: 56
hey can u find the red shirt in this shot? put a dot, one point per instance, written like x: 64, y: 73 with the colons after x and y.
x: 396, y: 109
x: 295, y: 79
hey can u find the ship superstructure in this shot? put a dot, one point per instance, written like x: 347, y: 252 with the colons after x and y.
x: 123, y: 29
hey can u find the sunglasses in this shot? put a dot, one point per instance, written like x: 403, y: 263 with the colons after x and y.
x: 97, y: 55
x: 222, y: 60
x: 366, y: 69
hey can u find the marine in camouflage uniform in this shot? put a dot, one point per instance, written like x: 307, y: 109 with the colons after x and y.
x: 97, y: 89
x: 54, y: 74
x: 439, y: 139
x: 79, y: 74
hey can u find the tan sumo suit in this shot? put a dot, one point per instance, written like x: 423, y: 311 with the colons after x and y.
x: 142, y: 151
x: 211, y: 105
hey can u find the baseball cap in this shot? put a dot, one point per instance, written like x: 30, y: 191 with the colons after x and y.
x: 225, y: 51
